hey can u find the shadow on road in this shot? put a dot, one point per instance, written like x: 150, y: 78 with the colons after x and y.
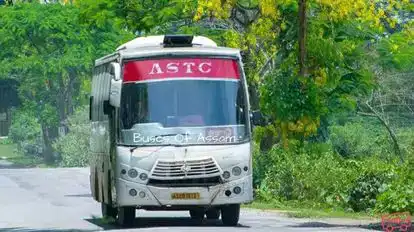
x: 146, y: 222
x: 22, y: 229
x: 373, y: 226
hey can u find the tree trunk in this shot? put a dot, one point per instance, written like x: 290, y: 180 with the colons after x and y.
x: 254, y: 96
x: 70, y: 92
x: 302, y: 37
x: 48, y: 149
x: 394, y: 139
x: 268, y: 140
x: 61, y: 104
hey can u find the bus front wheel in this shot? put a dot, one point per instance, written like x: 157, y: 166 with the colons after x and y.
x: 126, y: 216
x: 197, y: 214
x: 213, y: 213
x: 108, y: 211
x: 230, y: 215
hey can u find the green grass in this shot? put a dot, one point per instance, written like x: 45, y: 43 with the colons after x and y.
x: 306, y: 212
x: 9, y: 153
x: 314, y: 213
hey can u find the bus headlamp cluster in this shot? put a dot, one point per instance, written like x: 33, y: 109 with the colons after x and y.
x: 143, y: 176
x: 132, y: 173
x: 226, y: 175
x: 133, y: 193
x: 235, y: 171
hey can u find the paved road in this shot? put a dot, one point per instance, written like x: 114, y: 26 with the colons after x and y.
x: 59, y: 200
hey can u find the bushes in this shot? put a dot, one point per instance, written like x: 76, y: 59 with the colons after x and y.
x: 316, y: 175
x: 364, y: 193
x: 26, y: 132
x: 365, y: 138
x: 5, y: 141
x: 74, y: 146
x: 312, y: 173
x: 359, y: 139
x: 399, y: 194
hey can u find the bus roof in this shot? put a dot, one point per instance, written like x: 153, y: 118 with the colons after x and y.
x: 160, y: 51
x: 157, y: 40
x: 155, y: 46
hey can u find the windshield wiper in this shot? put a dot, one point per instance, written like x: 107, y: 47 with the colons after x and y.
x: 133, y: 148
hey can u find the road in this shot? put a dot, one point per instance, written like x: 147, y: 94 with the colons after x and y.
x: 59, y: 200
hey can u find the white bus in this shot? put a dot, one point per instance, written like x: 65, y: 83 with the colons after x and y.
x: 171, y: 129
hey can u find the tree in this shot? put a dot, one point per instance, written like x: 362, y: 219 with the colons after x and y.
x: 393, y: 67
x: 302, y: 37
x: 50, y: 53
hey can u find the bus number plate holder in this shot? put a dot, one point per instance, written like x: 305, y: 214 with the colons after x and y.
x: 185, y: 196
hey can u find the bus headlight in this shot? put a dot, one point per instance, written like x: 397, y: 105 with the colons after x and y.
x: 236, y: 171
x: 226, y: 175
x: 143, y: 176
x: 142, y: 194
x: 132, y: 173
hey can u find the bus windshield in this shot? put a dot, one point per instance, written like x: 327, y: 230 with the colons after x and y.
x: 181, y: 100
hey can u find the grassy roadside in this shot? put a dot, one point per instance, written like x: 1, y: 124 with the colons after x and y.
x: 9, y: 153
x: 306, y: 212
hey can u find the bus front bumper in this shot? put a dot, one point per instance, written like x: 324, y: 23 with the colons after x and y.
x: 135, y: 194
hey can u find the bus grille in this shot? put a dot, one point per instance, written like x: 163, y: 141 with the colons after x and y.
x: 190, y: 168
x: 196, y: 182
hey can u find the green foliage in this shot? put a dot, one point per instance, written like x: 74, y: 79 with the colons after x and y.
x: 398, y: 51
x: 295, y: 175
x: 406, y: 139
x: 359, y: 139
x: 338, y: 75
x: 26, y: 132
x: 106, y: 26
x: 288, y: 98
x: 74, y: 146
x: 315, y: 175
x: 50, y: 53
x: 259, y: 162
x: 6, y: 141
x: 47, y: 48
x: 138, y: 17
x: 365, y: 191
x: 399, y: 194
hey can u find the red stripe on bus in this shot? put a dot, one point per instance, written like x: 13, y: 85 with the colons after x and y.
x: 181, y: 68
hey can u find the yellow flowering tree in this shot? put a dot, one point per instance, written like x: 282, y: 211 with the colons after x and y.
x: 337, y: 70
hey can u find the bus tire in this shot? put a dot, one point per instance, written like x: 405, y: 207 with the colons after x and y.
x: 126, y: 216
x: 230, y: 215
x: 108, y: 211
x: 213, y: 214
x: 197, y: 214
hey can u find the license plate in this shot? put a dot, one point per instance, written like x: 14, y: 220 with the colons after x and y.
x: 185, y: 196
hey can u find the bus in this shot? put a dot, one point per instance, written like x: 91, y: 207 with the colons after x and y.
x: 171, y: 129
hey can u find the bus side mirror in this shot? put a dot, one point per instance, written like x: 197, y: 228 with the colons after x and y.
x: 116, y: 85
x: 257, y: 118
x: 115, y: 71
x: 115, y: 93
